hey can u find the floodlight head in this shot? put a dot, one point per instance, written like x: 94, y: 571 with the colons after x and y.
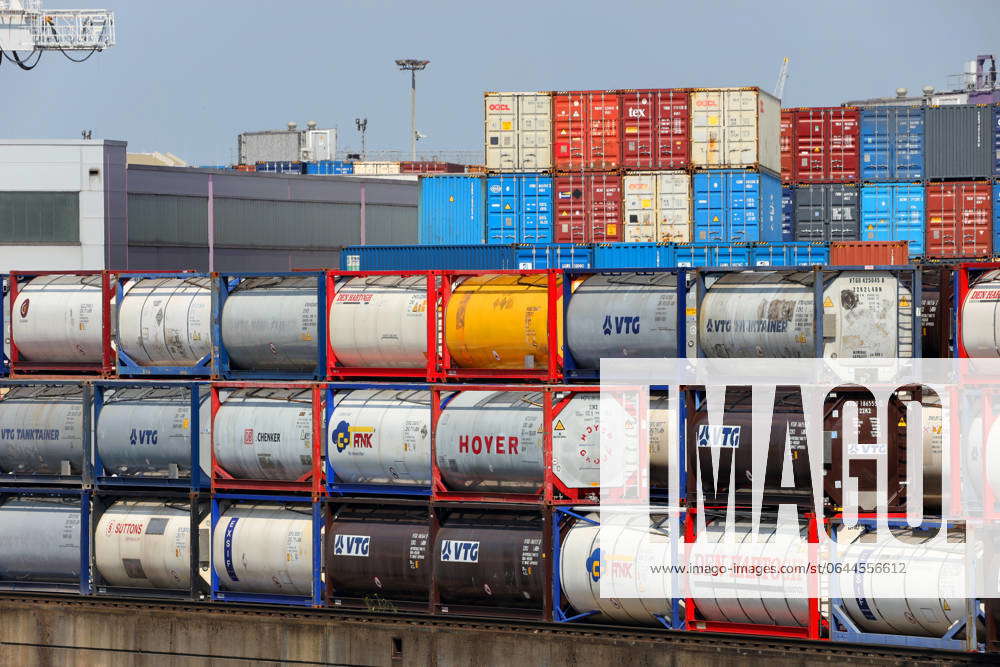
x: 412, y: 64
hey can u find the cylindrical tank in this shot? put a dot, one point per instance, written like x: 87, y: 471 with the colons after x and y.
x: 490, y: 564
x: 166, y: 321
x: 381, y: 437
x: 59, y: 319
x: 380, y: 321
x: 620, y: 553
x: 265, y: 434
x: 271, y: 323
x: 42, y: 540
x: 875, y: 602
x: 866, y: 314
x: 264, y: 549
x: 381, y: 554
x: 492, y: 441
x: 143, y: 431
x: 980, y: 317
x: 41, y: 430
x: 623, y: 315
x: 144, y: 545
x: 500, y: 322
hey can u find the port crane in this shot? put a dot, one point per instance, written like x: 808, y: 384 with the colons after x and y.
x: 26, y: 27
x: 779, y: 87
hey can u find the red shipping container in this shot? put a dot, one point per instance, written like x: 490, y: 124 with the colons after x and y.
x: 656, y: 129
x: 869, y: 253
x: 826, y: 144
x: 588, y: 208
x: 959, y: 219
x: 585, y: 130
x: 786, y: 145
x: 428, y: 167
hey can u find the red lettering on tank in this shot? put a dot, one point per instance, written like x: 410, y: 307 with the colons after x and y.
x: 500, y: 440
x: 488, y: 441
x: 363, y: 440
x: 463, y: 444
x: 477, y: 445
x: 512, y: 444
x: 490, y: 444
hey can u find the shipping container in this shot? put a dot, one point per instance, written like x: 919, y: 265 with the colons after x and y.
x: 712, y: 254
x: 869, y: 253
x: 959, y: 219
x: 633, y: 255
x: 996, y: 140
x: 892, y: 144
x: 960, y: 142
x: 281, y: 167
x: 588, y: 207
x: 519, y: 208
x: 894, y: 212
x: 996, y: 214
x: 270, y: 145
x: 788, y: 213
x: 790, y: 254
x: 518, y: 131
x: 245, y: 167
x: 826, y: 212
x: 555, y: 256
x: 787, y: 145
x: 425, y: 167
x: 376, y: 168
x: 825, y: 144
x: 330, y: 167
x: 477, y: 257
x: 475, y: 169
x: 736, y: 205
x: 657, y: 207
x: 655, y: 129
x: 585, y: 130
x: 735, y: 127
x: 452, y: 209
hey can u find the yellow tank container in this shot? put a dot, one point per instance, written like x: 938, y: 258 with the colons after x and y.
x: 500, y: 322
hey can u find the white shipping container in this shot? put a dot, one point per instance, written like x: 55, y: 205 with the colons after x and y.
x: 735, y: 127
x: 518, y: 131
x: 376, y: 168
x: 657, y: 207
x: 951, y: 98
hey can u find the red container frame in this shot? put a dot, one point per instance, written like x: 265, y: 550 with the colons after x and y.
x: 552, y: 372
x: 553, y: 491
x: 962, y: 289
x: 434, y: 329
x: 811, y: 631
x: 312, y: 482
x: 106, y: 368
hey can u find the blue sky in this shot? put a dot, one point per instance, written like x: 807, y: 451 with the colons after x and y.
x: 187, y: 76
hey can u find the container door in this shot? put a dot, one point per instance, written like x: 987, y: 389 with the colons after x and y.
x: 788, y: 214
x: 536, y: 209
x: 785, y: 145
x: 744, y: 208
x: 605, y: 208
x: 603, y: 139
x: 996, y: 141
x: 811, y: 144
x: 706, y: 128
x: 876, y: 144
x: 502, y: 209
x: 810, y: 214
x: 740, y: 120
x: 908, y: 212
x: 843, y: 164
x: 638, y: 123
x: 501, y: 132
x: 876, y: 213
x: 674, y: 206
x: 571, y: 202
x: 957, y: 220
x: 535, y: 132
x: 641, y: 213
x: 908, y: 144
x: 569, y: 122
x: 672, y: 136
x: 710, y: 215
x: 843, y: 212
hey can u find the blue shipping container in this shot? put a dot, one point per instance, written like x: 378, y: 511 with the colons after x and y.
x: 519, y: 208
x: 996, y: 141
x: 711, y: 254
x: 329, y: 167
x: 799, y: 253
x: 555, y: 256
x: 428, y: 257
x: 892, y: 143
x: 732, y: 205
x: 788, y: 213
x: 634, y: 255
x: 452, y: 209
x: 280, y: 167
x: 894, y: 212
x: 996, y: 216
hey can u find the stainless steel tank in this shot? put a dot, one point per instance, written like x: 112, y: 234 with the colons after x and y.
x: 492, y: 441
x: 380, y: 321
x: 41, y: 430
x: 265, y: 433
x: 264, y: 549
x: 166, y: 321
x: 147, y: 431
x: 59, y: 319
x: 381, y: 437
x: 621, y: 555
x: 866, y: 314
x: 980, y: 316
x: 622, y: 315
x: 42, y: 540
x: 140, y: 544
x: 271, y: 323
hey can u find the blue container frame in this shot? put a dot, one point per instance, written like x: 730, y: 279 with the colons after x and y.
x: 335, y: 488
x: 4, y: 360
x: 316, y: 599
x: 559, y: 614
x: 843, y: 628
x: 127, y: 367
x: 85, y: 477
x: 199, y: 479
x: 223, y: 285
x: 82, y: 587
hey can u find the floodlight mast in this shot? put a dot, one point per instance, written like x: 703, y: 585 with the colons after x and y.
x: 413, y: 66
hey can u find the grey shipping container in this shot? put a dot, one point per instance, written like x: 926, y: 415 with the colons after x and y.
x: 959, y: 142
x: 270, y: 146
x: 826, y: 212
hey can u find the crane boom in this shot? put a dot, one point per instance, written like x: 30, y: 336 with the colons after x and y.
x: 25, y: 26
x: 779, y: 88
